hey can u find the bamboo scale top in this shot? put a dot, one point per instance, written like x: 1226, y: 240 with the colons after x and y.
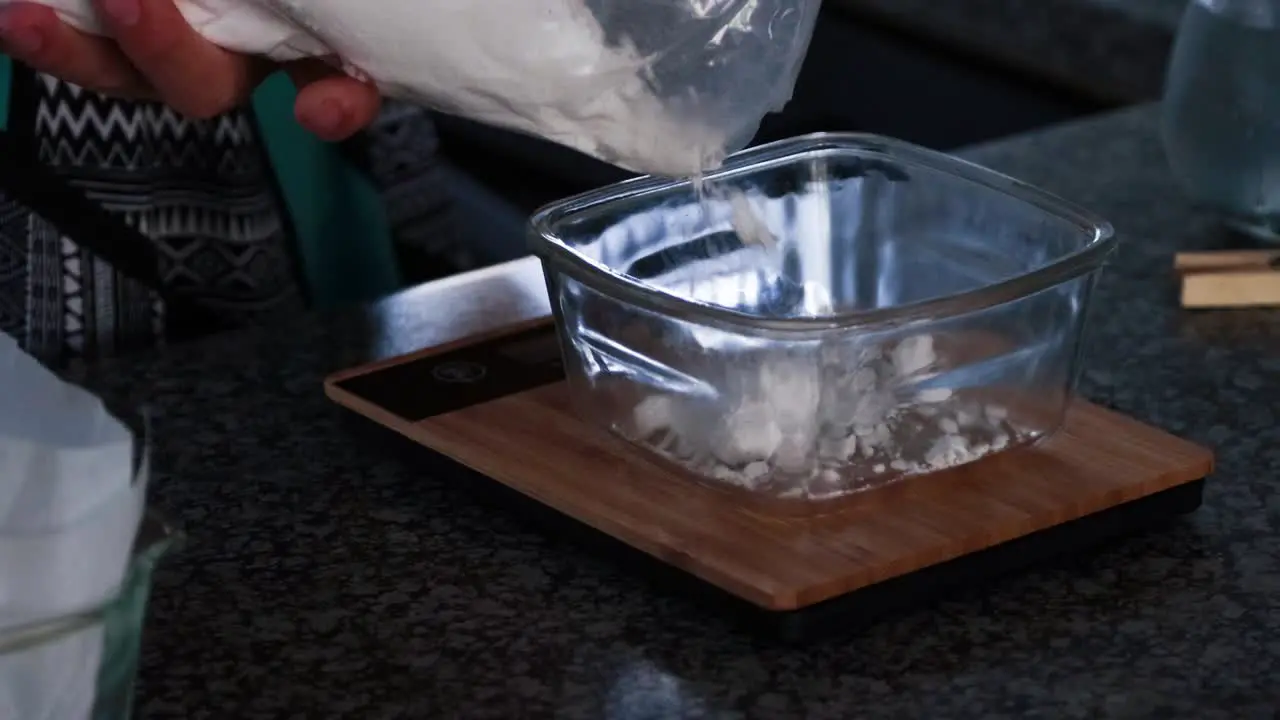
x: 1220, y: 279
x: 532, y: 442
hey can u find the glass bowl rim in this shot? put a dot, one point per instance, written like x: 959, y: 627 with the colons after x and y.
x: 556, y: 254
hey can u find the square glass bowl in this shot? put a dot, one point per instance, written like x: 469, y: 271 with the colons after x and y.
x: 916, y: 313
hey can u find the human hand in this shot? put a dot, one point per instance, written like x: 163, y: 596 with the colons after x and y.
x: 153, y: 54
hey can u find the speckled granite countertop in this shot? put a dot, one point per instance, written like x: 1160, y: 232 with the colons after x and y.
x: 323, y: 580
x: 1115, y: 50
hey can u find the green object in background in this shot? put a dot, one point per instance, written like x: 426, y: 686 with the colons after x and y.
x: 338, y: 216
x: 6, y: 82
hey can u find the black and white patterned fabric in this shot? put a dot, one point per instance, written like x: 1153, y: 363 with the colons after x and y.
x: 202, y: 193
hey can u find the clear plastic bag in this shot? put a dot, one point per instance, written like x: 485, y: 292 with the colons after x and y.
x: 667, y: 87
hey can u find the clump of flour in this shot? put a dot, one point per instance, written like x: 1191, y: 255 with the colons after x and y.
x: 748, y: 222
x: 814, y: 427
x: 745, y: 218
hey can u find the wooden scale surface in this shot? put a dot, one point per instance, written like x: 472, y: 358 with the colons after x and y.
x: 498, y: 404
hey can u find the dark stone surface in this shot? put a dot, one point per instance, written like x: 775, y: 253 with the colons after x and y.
x: 1113, y: 49
x: 325, y: 580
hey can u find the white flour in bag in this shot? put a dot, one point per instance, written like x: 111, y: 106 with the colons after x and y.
x: 542, y: 67
x: 488, y: 60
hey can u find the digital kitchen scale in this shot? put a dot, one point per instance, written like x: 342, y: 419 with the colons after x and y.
x: 498, y: 404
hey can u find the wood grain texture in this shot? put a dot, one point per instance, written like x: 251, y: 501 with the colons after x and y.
x: 1221, y: 260
x: 1232, y: 289
x: 534, y: 443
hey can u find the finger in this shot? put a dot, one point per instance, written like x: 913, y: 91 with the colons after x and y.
x: 332, y: 105
x: 33, y: 34
x: 191, y: 74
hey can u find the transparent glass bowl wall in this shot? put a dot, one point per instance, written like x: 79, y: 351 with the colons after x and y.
x: 919, y: 312
x: 42, y: 664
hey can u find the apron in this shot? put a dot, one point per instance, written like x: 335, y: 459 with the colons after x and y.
x: 123, y: 225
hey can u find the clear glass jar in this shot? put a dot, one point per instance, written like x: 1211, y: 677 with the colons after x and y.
x: 43, y: 665
x: 1221, y: 114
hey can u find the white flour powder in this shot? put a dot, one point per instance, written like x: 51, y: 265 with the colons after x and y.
x: 748, y: 222
x: 805, y: 427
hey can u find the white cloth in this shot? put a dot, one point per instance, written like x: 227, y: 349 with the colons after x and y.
x: 70, y: 507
